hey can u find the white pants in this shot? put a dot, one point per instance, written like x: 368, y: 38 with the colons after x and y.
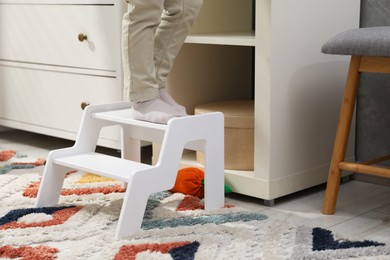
x: 153, y: 31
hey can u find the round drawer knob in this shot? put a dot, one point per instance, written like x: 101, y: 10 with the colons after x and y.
x: 84, y: 105
x: 82, y: 37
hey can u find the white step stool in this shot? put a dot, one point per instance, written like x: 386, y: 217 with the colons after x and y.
x: 200, y: 133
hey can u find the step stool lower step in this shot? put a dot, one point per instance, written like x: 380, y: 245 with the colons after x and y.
x: 105, y: 165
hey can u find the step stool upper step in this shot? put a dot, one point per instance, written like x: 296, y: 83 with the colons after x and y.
x: 125, y: 116
x: 101, y: 164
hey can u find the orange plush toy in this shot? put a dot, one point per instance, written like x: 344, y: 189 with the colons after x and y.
x: 190, y: 181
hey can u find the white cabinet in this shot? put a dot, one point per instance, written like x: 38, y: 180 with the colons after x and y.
x: 270, y: 50
x: 56, y: 56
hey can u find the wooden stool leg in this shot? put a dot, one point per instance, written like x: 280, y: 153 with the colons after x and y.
x: 341, y: 141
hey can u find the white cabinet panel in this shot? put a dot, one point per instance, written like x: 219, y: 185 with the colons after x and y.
x: 46, y: 72
x: 51, y: 99
x: 48, y: 34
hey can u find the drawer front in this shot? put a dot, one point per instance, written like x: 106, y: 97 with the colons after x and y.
x: 48, y: 34
x: 51, y: 99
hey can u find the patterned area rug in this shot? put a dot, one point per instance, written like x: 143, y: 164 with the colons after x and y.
x: 175, y: 226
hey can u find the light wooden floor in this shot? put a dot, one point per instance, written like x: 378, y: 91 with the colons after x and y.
x: 363, y: 209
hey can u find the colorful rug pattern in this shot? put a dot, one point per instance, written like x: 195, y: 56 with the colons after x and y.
x: 175, y: 226
x: 11, y: 160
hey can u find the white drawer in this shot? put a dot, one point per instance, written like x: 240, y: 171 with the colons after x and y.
x: 54, y: 99
x: 48, y: 34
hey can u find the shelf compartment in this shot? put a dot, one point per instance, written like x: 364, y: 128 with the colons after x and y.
x: 225, y: 16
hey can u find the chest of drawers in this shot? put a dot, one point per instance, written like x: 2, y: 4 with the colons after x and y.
x: 55, y: 58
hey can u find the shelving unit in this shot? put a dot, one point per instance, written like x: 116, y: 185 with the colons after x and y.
x: 269, y: 51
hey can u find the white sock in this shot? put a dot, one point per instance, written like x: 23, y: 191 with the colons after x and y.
x: 164, y: 96
x: 155, y: 111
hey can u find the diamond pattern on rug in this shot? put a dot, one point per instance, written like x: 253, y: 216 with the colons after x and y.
x: 193, y: 203
x: 26, y: 226
x: 37, y: 217
x: 177, y: 250
x: 90, y: 178
x: 83, y: 184
x: 190, y: 203
x: 323, y: 239
x: 319, y: 243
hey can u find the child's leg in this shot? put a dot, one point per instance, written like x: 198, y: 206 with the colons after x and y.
x: 138, y: 33
x: 176, y: 21
x: 140, y: 84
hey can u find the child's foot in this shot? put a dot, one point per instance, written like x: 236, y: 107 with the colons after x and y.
x: 155, y: 111
x: 164, y: 96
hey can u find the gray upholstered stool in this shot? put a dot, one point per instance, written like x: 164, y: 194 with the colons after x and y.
x: 370, y: 52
